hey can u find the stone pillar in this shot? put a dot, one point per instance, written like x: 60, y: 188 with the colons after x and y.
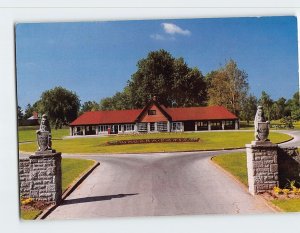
x: 209, y: 126
x: 236, y: 124
x: 169, y: 126
x: 148, y: 127
x: 195, y: 125
x: 83, y: 130
x: 71, y: 131
x: 155, y: 126
x: 97, y: 129
x: 135, y: 128
x: 122, y: 128
x: 182, y: 127
x: 262, y: 166
x: 223, y: 125
x: 45, y: 176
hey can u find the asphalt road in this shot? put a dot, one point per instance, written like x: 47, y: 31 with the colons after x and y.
x: 159, y: 184
x: 155, y: 185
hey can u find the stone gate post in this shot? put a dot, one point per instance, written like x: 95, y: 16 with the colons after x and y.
x: 262, y: 166
x: 45, y: 176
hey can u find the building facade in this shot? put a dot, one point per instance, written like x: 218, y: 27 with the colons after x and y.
x: 154, y: 118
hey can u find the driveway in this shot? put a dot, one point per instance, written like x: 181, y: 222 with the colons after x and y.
x: 160, y: 184
x: 155, y: 185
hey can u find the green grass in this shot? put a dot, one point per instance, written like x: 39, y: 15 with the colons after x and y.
x: 30, y: 214
x: 244, y: 125
x: 289, y: 205
x: 236, y: 164
x: 71, y: 170
x: 30, y: 134
x: 208, y: 141
x: 296, y: 124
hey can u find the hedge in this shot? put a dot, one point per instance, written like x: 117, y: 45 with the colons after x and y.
x: 151, y: 140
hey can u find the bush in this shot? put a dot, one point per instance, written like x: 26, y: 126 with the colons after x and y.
x: 152, y: 140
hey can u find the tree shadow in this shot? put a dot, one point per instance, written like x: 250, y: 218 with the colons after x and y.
x: 96, y: 198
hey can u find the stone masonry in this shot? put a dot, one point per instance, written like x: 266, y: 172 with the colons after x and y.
x: 262, y: 166
x: 40, y: 177
x: 288, y: 165
x: 24, y: 177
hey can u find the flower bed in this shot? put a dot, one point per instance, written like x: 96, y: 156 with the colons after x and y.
x: 152, y: 140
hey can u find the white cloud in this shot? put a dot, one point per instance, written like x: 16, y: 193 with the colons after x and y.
x: 172, y: 29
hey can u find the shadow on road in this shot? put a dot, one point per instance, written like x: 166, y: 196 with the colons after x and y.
x: 97, y: 198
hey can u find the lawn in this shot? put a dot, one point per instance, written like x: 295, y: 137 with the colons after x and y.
x: 72, y: 169
x: 208, y: 141
x: 236, y: 164
x: 29, y: 133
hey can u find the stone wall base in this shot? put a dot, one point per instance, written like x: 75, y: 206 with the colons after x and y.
x: 40, y: 177
x: 262, y: 166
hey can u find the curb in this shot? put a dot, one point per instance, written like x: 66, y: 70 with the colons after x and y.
x: 274, y: 208
x: 68, y: 191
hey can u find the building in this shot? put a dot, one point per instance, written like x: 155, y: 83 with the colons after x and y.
x: 154, y: 118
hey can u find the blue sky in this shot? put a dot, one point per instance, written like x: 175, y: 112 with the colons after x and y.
x: 95, y: 59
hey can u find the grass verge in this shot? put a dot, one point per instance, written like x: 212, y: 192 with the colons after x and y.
x: 236, y: 164
x: 26, y: 135
x: 72, y: 169
x: 208, y: 141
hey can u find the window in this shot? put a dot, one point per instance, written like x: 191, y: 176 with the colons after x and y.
x: 162, y: 126
x: 129, y: 127
x: 202, y: 123
x: 142, y: 127
x: 228, y: 122
x: 103, y: 128
x: 151, y: 112
x: 176, y: 126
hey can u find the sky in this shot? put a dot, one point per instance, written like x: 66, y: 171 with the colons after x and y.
x: 96, y: 59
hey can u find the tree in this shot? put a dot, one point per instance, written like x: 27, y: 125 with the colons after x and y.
x: 89, y: 106
x: 20, y: 114
x: 61, y: 106
x: 28, y: 111
x: 278, y: 108
x: 266, y: 102
x: 161, y: 75
x: 295, y: 106
x: 228, y: 86
x: 249, y: 107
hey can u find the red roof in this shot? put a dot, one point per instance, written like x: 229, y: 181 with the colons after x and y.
x: 177, y: 114
x: 200, y: 113
x: 107, y: 117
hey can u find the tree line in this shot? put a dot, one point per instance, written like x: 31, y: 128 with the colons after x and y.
x: 176, y: 85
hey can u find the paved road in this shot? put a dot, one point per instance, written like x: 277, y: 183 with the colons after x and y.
x: 160, y: 184
x: 155, y: 185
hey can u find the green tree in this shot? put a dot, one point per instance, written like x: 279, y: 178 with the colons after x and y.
x: 168, y: 78
x: 20, y: 114
x: 278, y: 108
x: 295, y: 107
x: 61, y: 106
x: 266, y: 102
x: 89, y: 106
x: 28, y: 111
x: 228, y: 86
x: 249, y: 107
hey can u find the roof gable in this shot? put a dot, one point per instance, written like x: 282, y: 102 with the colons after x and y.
x: 152, y: 103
